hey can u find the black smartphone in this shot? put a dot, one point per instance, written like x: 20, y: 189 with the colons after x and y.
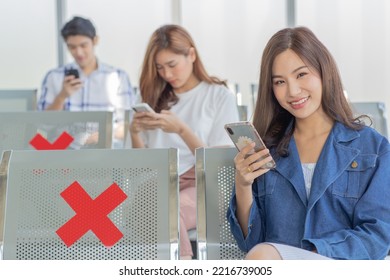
x: 243, y: 133
x: 72, y: 72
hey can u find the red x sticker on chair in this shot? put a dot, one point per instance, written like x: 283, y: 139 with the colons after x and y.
x: 91, y: 214
x: 62, y: 142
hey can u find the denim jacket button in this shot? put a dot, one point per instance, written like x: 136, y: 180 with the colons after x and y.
x: 354, y: 164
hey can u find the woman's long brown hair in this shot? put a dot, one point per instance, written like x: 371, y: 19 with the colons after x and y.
x: 154, y: 90
x: 274, y: 123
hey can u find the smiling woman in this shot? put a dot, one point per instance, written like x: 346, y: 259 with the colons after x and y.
x: 328, y: 196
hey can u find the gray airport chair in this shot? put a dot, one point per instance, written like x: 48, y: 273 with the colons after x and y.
x: 377, y: 112
x: 31, y: 190
x: 17, y: 129
x: 18, y: 100
x: 214, y: 180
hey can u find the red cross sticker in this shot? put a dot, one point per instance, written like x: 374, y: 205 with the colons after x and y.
x: 62, y: 142
x: 91, y: 214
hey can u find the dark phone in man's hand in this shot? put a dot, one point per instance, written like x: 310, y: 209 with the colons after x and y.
x: 72, y: 72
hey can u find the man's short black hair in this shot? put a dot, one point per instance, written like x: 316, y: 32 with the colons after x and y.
x: 78, y: 26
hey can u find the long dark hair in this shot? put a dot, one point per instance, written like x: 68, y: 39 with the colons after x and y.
x: 154, y: 90
x: 274, y: 123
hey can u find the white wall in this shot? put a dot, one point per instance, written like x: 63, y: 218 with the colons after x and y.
x: 358, y: 35
x: 28, y: 46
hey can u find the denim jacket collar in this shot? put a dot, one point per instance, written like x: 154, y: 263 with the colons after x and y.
x: 337, y: 154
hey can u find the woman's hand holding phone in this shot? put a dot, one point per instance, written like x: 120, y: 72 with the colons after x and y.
x: 166, y: 121
x: 253, y: 158
x: 249, y: 165
x: 142, y: 113
x: 140, y: 121
x: 248, y: 168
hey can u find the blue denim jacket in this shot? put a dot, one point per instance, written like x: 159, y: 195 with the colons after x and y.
x: 347, y: 215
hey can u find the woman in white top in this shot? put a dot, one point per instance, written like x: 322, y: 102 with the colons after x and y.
x: 191, y: 109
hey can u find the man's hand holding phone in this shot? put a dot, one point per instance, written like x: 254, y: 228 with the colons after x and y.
x: 72, y: 83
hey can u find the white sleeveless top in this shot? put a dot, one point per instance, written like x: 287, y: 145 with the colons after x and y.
x: 308, y: 171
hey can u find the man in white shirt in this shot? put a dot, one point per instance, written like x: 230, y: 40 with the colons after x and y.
x: 95, y: 86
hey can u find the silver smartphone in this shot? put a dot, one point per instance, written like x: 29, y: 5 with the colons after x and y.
x: 142, y: 107
x: 243, y: 133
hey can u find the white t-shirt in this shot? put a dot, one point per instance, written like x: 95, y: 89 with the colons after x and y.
x: 206, y: 109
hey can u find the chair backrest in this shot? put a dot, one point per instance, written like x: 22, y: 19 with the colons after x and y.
x: 34, y: 209
x: 254, y: 90
x: 18, y: 100
x: 17, y: 129
x: 127, y: 120
x: 214, y: 180
x: 377, y: 112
